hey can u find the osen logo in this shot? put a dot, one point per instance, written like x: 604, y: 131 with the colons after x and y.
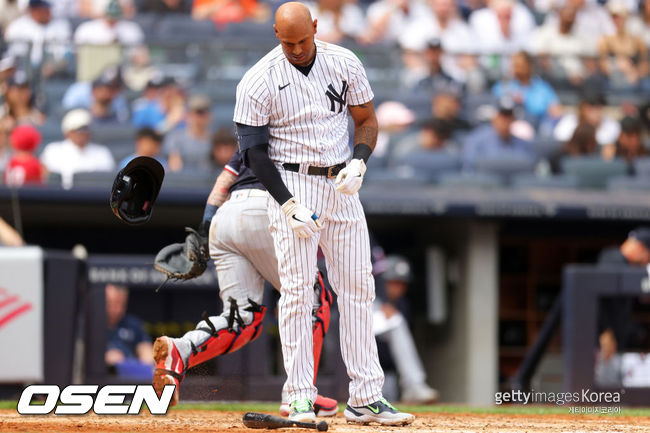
x: 80, y: 399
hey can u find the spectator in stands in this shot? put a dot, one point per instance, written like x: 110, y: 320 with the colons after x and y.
x: 559, y: 39
x: 393, y: 120
x: 390, y: 325
x: 442, y: 22
x: 623, y: 56
x: 629, y: 145
x: 139, y: 70
x: 590, y: 110
x: 591, y: 22
x: 583, y: 141
x: 103, y: 97
x: 38, y: 36
x: 23, y: 166
x: 434, y: 135
x: 447, y: 106
x: 10, y: 11
x: 337, y: 20
x: 535, y: 95
x: 189, y: 148
x: 494, y: 140
x: 76, y: 153
x: 7, y: 70
x: 18, y: 107
x: 147, y: 143
x: 162, y: 106
x: 164, y: 7
x: 639, y: 25
x: 9, y: 237
x: 436, y: 79
x: 389, y: 20
x: 109, y: 29
x: 504, y: 27
x: 127, y: 339
x: 224, y: 146
x: 230, y: 11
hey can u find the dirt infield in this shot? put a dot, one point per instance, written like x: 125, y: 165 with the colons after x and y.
x: 193, y: 421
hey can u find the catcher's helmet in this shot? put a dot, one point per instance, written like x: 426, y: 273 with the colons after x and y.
x: 135, y: 189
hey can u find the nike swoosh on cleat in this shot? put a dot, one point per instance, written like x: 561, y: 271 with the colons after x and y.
x: 282, y: 87
x: 373, y: 409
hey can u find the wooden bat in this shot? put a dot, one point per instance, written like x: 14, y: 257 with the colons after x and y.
x: 262, y: 420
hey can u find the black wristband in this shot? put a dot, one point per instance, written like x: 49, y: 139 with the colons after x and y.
x: 362, y: 151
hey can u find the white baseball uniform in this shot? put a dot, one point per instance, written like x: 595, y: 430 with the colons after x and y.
x: 308, y: 125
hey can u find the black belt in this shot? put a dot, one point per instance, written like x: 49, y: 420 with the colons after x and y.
x: 330, y: 171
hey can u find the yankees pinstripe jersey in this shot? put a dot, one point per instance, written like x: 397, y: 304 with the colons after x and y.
x: 307, y: 114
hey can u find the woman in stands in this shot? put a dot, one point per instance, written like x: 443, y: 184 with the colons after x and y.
x: 623, y: 56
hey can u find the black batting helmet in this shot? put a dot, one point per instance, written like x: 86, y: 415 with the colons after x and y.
x: 135, y: 189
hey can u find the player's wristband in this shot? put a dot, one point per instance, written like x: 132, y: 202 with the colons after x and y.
x: 208, y: 213
x: 362, y: 151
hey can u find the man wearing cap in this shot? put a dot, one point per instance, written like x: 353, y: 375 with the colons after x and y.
x: 494, y: 140
x: 109, y: 29
x: 37, y: 30
x: 103, y: 97
x: 189, y: 148
x: 76, y: 153
x: 390, y: 325
x: 437, y: 78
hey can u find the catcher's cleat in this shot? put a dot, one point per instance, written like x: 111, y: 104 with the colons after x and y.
x: 169, y: 367
x: 323, y: 406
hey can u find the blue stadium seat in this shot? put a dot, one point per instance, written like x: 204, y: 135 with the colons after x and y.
x: 53, y: 179
x: 431, y: 164
x: 108, y: 133
x: 547, y: 148
x: 642, y: 167
x: 189, y: 179
x: 592, y: 171
x: 98, y: 179
x: 396, y: 176
x: 175, y: 28
x: 628, y: 183
x: 562, y: 181
x: 469, y: 180
x: 505, y: 167
x: 148, y: 23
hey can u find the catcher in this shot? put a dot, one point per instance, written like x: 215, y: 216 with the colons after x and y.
x: 235, y: 234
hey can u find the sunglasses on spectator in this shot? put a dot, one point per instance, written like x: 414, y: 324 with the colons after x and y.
x: 201, y: 111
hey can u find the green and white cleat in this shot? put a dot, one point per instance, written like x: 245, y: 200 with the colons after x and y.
x: 381, y: 412
x: 302, y: 411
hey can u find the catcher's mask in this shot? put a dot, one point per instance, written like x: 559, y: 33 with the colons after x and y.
x: 135, y: 190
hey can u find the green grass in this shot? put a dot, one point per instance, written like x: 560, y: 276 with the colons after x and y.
x: 272, y: 408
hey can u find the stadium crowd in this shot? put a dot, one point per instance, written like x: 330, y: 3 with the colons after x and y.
x: 478, y: 92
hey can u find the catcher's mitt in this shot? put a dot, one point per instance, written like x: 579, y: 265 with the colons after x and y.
x: 184, y: 261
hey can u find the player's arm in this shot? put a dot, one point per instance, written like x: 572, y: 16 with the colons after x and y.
x: 254, y: 144
x: 349, y: 179
x: 365, y: 130
x: 219, y: 192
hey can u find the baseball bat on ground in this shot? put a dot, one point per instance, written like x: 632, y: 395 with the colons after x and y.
x: 261, y: 420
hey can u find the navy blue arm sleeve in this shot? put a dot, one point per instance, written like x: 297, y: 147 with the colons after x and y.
x: 257, y: 159
x: 254, y: 145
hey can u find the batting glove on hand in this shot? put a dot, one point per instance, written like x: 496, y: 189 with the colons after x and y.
x: 350, y: 178
x: 303, y: 221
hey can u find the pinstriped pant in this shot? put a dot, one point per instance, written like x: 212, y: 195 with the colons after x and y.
x: 345, y: 243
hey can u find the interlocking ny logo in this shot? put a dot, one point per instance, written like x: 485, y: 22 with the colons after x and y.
x: 337, y: 97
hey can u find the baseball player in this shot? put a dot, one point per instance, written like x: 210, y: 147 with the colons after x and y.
x: 291, y: 119
x: 242, y: 248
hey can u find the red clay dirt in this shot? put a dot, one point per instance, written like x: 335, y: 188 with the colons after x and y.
x: 190, y: 421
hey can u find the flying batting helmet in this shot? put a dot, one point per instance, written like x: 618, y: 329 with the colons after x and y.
x: 135, y: 189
